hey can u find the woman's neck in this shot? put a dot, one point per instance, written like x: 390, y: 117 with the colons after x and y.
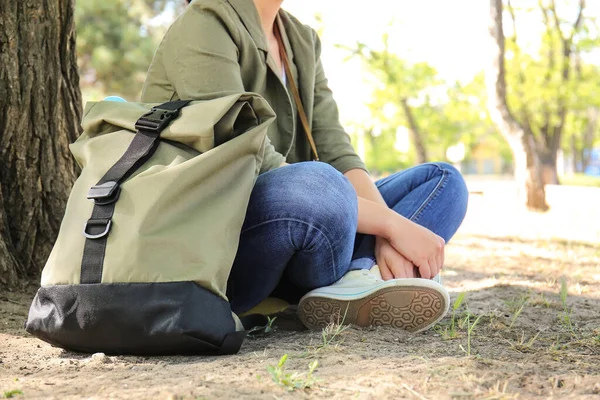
x: 267, y: 10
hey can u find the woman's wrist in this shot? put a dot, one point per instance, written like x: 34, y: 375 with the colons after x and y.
x: 373, y: 218
x: 389, y: 227
x: 395, y: 224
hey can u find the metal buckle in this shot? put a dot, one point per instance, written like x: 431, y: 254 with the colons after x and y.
x: 97, y: 222
x: 106, y: 193
x: 155, y: 120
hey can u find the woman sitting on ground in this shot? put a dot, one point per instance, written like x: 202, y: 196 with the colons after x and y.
x: 320, y: 234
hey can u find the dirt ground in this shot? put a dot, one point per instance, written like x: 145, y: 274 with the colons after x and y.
x: 510, y: 264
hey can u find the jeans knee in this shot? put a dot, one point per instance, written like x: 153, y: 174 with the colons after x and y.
x: 455, y: 185
x: 327, y: 194
x: 446, y: 167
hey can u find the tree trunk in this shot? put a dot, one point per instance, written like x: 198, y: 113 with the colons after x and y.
x: 548, y: 159
x: 415, y: 132
x: 40, y: 112
x: 528, y: 172
x: 576, y: 154
x: 552, y: 131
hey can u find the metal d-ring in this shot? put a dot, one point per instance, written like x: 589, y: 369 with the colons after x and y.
x: 97, y: 222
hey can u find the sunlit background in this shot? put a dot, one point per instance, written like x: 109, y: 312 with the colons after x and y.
x: 437, y: 50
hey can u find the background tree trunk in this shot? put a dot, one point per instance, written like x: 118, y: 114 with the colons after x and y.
x: 552, y: 132
x: 415, y: 132
x: 549, y: 160
x: 528, y: 172
x: 577, y: 156
x: 40, y: 112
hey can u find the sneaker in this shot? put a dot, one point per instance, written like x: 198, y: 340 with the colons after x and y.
x: 362, y: 298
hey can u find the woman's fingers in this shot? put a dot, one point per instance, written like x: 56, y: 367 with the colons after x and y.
x: 425, y: 270
x: 441, y: 255
x: 409, y: 268
x: 396, y: 267
x: 399, y: 265
x: 384, y: 270
x: 439, y: 260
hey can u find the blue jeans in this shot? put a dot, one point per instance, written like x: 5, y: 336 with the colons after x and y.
x: 300, y: 227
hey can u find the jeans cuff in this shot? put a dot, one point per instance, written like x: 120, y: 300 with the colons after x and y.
x: 362, y: 263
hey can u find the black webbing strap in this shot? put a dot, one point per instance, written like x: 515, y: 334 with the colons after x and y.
x: 106, y: 192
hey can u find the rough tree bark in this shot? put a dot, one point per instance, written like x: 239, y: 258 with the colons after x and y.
x: 528, y: 171
x: 40, y: 112
x: 415, y: 132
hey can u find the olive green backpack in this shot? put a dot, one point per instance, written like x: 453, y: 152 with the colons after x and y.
x: 152, y: 227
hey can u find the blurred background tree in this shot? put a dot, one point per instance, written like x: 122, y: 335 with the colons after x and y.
x: 538, y: 96
x: 549, y: 86
x: 400, y: 96
x: 416, y: 116
x: 116, y: 40
x: 414, y: 112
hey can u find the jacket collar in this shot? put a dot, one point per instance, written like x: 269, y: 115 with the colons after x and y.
x: 247, y: 12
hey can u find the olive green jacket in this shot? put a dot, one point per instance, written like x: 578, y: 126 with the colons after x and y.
x: 217, y: 47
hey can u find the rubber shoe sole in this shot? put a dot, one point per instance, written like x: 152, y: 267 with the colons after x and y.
x: 412, y: 308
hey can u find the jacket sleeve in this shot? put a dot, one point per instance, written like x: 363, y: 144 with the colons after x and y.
x: 200, y: 59
x: 332, y: 141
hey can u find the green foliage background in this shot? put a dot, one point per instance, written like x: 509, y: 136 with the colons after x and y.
x: 116, y: 40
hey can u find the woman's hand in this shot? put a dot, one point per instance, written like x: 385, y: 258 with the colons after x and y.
x: 392, y: 264
x: 413, y: 242
x: 417, y: 244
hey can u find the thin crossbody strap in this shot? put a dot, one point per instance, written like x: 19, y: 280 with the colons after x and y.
x: 295, y: 93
